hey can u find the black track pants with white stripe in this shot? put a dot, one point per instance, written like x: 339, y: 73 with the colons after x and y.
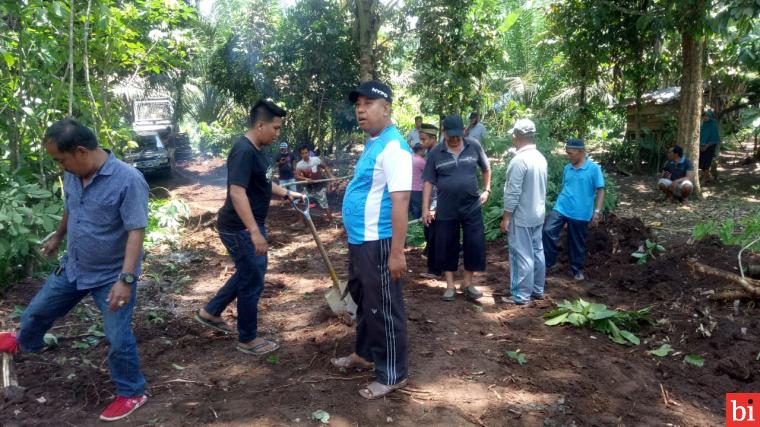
x: 380, y: 317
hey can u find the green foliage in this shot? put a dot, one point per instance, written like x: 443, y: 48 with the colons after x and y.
x: 695, y: 360
x: 517, y: 356
x: 647, y: 251
x: 165, y: 220
x: 617, y: 324
x: 457, y: 44
x: 730, y: 232
x: 661, y: 351
x: 415, y: 235
x: 273, y: 359
x: 28, y: 212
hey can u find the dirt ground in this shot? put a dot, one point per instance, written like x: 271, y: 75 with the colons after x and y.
x: 460, y: 373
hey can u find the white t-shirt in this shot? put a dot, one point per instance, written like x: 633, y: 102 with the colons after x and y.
x: 310, y: 169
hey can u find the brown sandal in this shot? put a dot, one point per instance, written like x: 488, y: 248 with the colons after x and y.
x: 376, y: 390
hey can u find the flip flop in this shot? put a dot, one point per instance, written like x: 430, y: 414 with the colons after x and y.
x: 375, y: 390
x: 348, y: 362
x: 219, y: 326
x: 255, y: 350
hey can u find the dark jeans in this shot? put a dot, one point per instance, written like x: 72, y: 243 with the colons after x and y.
x: 576, y: 240
x: 56, y: 298
x: 415, y: 205
x: 246, y: 284
x: 380, y: 317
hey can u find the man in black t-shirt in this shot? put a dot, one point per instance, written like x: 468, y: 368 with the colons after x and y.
x: 677, y: 179
x: 285, y: 166
x: 241, y: 228
x: 452, y: 168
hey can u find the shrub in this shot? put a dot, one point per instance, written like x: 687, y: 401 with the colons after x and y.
x: 27, y: 213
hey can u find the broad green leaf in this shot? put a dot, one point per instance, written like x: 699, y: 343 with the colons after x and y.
x: 557, y: 320
x: 633, y: 339
x: 695, y: 360
x: 661, y: 351
x: 638, y: 254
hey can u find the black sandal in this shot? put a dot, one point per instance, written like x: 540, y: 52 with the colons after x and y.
x: 218, y: 325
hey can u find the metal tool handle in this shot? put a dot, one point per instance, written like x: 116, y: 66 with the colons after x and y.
x: 305, y: 201
x: 320, y: 246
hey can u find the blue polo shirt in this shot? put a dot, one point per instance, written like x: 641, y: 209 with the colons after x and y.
x: 579, y: 185
x: 384, y: 167
x: 99, y: 218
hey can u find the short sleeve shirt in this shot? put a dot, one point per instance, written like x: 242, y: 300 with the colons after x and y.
x: 477, y: 132
x: 384, y: 167
x: 678, y: 170
x: 100, y: 217
x: 456, y: 179
x: 579, y: 185
x: 250, y: 168
x: 311, y: 170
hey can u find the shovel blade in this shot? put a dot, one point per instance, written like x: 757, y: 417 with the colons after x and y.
x: 338, y: 304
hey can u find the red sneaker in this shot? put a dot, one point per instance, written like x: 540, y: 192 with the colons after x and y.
x: 8, y: 343
x: 122, y: 407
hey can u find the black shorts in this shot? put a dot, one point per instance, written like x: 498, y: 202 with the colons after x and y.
x: 447, y: 243
x: 706, y: 157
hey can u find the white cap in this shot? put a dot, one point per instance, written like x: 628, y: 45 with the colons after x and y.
x: 523, y: 127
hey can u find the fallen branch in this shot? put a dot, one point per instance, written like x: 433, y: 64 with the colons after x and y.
x: 749, y: 285
x: 730, y: 296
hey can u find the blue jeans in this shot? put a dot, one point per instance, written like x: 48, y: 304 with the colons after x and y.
x: 576, y: 240
x: 245, y: 285
x: 527, y: 269
x: 56, y: 298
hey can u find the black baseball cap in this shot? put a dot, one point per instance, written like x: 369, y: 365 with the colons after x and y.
x: 453, y: 126
x: 372, y: 89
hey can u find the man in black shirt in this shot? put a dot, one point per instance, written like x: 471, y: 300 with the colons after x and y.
x: 241, y: 228
x: 452, y: 167
x: 677, y: 179
x: 285, y: 167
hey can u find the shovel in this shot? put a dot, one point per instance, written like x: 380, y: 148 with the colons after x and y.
x: 338, y: 298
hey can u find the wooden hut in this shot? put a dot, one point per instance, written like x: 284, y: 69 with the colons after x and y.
x: 655, y: 116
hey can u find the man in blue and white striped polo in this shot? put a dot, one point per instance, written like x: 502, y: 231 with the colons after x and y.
x: 375, y: 209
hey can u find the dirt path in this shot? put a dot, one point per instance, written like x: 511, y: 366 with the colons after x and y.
x: 460, y: 373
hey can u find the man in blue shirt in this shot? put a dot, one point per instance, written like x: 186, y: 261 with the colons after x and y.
x: 104, y: 218
x: 583, y: 182
x: 375, y: 216
x: 709, y: 141
x: 677, y: 179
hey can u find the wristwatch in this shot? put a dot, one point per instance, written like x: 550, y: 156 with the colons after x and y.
x: 128, y: 278
x: 287, y: 195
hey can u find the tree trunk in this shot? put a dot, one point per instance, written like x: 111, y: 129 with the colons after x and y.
x: 71, y: 58
x: 691, y: 99
x: 86, y: 68
x: 366, y: 26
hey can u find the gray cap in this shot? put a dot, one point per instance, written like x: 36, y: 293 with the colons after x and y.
x: 523, y: 127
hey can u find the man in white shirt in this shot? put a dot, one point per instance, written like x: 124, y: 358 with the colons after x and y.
x: 312, y: 169
x: 475, y: 129
x: 414, y: 136
x: 523, y: 219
